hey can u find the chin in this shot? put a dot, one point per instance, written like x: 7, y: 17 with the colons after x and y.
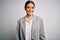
x: 29, y: 14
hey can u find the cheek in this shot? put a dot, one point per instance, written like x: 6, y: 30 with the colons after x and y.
x: 26, y: 10
x: 32, y: 9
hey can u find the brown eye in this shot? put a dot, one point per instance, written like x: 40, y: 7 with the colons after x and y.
x: 32, y: 7
x: 28, y: 7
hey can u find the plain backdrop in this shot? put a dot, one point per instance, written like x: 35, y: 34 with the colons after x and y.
x: 12, y: 10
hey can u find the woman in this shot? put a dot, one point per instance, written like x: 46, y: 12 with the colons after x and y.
x: 30, y: 27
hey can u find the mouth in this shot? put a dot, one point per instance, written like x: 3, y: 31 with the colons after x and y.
x: 30, y: 11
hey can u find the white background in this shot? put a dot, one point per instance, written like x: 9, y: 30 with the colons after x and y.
x: 12, y: 10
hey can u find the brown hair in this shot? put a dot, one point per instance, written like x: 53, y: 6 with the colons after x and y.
x: 27, y: 2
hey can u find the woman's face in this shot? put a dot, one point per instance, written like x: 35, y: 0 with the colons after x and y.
x: 30, y: 9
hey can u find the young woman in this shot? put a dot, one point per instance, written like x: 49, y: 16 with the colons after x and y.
x: 30, y: 27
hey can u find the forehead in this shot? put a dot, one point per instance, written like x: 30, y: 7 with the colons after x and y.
x: 30, y: 4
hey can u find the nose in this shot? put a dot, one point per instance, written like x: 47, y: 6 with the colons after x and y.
x: 30, y: 9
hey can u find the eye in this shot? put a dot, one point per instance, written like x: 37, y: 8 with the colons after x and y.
x: 32, y: 7
x: 28, y: 7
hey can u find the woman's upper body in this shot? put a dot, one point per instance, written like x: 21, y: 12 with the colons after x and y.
x: 37, y: 31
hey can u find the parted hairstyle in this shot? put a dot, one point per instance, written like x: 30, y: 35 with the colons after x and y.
x: 27, y: 2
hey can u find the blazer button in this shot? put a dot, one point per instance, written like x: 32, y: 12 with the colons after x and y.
x: 32, y: 39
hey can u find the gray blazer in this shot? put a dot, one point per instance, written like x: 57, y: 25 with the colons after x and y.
x: 37, y: 32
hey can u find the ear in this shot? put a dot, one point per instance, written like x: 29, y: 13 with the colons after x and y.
x: 24, y: 8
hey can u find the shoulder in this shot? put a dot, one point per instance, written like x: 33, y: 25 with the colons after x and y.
x: 21, y: 19
x: 38, y: 18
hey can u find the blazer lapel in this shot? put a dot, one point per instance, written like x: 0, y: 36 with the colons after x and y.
x: 23, y: 25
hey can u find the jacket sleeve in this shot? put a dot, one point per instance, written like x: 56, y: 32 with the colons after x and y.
x: 18, y: 31
x: 41, y: 31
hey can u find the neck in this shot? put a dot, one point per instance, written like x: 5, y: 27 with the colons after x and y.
x: 29, y: 17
